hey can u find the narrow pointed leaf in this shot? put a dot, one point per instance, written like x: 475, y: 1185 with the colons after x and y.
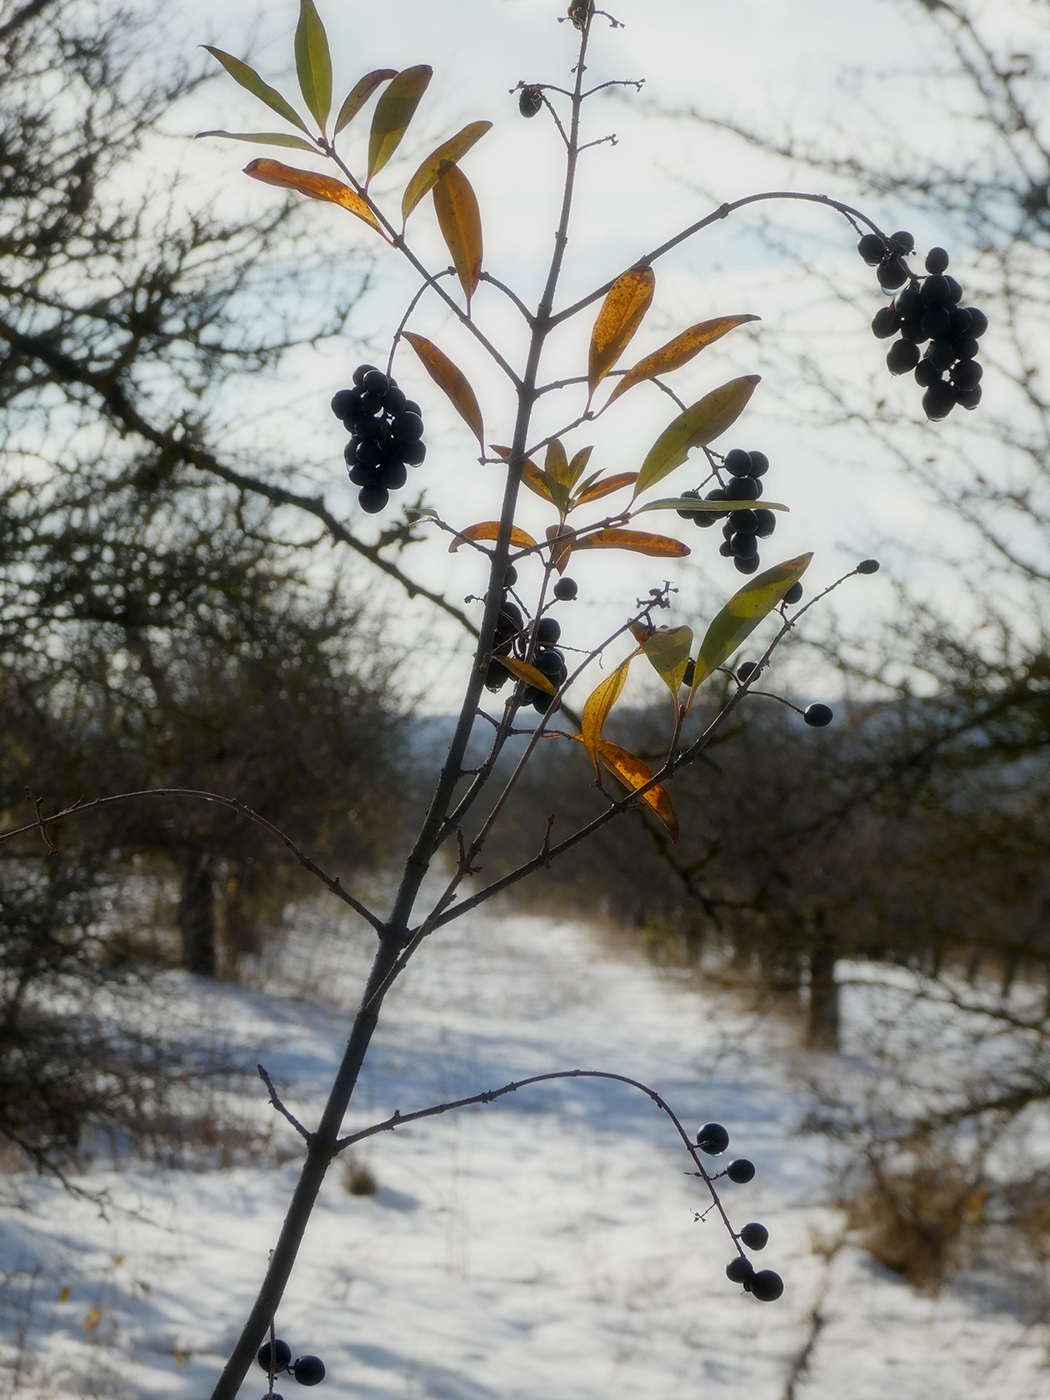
x: 313, y: 63
x: 742, y: 614
x: 488, y: 530
x: 678, y: 352
x: 605, y: 488
x: 452, y: 380
x: 264, y: 138
x: 627, y: 301
x: 527, y: 673
x: 693, y: 504
x: 240, y: 72
x: 668, y: 651
x: 578, y: 465
x: 531, y: 475
x: 556, y: 462
x: 308, y: 182
x: 657, y: 546
x: 359, y: 95
x: 460, y: 221
x: 561, y: 541
x: 633, y: 773
x: 394, y: 110
x: 599, y: 705
x: 696, y: 427
x: 450, y: 152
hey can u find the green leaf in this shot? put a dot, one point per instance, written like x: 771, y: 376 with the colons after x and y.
x: 694, y: 504
x: 249, y: 79
x: 448, y: 153
x: 394, y: 111
x: 313, y: 63
x: 264, y: 138
x: 696, y: 427
x: 668, y: 651
x: 742, y: 614
x: 359, y: 95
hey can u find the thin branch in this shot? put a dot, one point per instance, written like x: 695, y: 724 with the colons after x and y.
x: 279, y: 1106
x: 193, y: 794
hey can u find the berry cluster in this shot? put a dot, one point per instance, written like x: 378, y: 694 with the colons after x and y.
x: 307, y: 1370
x: 744, y: 525
x: 514, y: 637
x: 387, y: 431
x: 927, y: 312
x: 763, y: 1284
x: 531, y: 100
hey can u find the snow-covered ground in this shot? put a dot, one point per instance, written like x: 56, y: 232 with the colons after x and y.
x: 544, y: 1246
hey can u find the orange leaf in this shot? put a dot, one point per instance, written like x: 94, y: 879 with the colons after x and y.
x: 460, y: 221
x: 452, y: 380
x: 531, y: 475
x: 679, y: 351
x: 527, y: 673
x: 628, y: 299
x: 561, y: 542
x: 488, y: 530
x: 308, y: 182
x: 658, y: 546
x: 605, y: 488
x: 633, y: 773
x: 450, y: 152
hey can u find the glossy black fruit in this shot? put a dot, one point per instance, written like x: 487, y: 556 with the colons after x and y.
x: 548, y: 630
x: 755, y: 1236
x: 872, y: 249
x: 566, y: 589
x: 817, y: 716
x: 892, y: 274
x: 510, y: 578
x: 794, y: 594
x: 903, y: 241
x: 496, y: 677
x: 936, y: 260
x: 712, y: 1139
x: 744, y: 522
x: 759, y: 463
x: 530, y: 101
x: 344, y: 403
x: 282, y: 1354
x: 738, y: 1269
x: 308, y: 1370
x: 767, y: 522
x: 392, y: 475
x: 743, y: 488
x: 937, y: 402
x: 738, y: 462
x: 413, y: 454
x: 746, y: 566
x: 903, y: 355
x: 744, y: 546
x: 935, y: 289
x: 969, y: 398
x: 767, y: 1286
x: 741, y: 1171
x: 927, y: 373
x: 886, y: 322
x: 360, y: 372
x: 746, y: 669
x: 689, y: 514
x: 373, y: 499
x: 868, y: 566
x: 375, y: 382
x: 978, y: 321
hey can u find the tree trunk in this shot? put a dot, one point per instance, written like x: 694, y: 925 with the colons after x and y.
x: 197, y: 914
x: 822, y: 1025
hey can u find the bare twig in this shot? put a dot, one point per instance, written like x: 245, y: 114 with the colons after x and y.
x: 279, y: 1106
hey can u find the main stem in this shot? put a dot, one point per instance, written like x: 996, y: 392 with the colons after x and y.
x: 322, y: 1146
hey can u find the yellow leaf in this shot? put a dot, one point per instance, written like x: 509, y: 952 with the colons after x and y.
x: 527, y: 673
x: 460, y: 221
x: 394, y: 111
x: 679, y: 351
x: 92, y: 1320
x: 626, y: 303
x: 63, y: 1297
x: 531, y: 475
x: 561, y: 541
x: 658, y: 546
x: 633, y: 773
x: 308, y: 182
x: 599, y: 704
x: 488, y: 530
x: 450, y: 152
x: 452, y: 380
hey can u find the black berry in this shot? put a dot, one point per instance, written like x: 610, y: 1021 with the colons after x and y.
x: 308, y: 1370
x: 936, y: 260
x: 373, y: 499
x: 755, y: 1236
x: 767, y: 1286
x: 767, y: 522
x: 903, y: 356
x: 892, y: 274
x: 817, y: 716
x: 712, y: 1139
x: 360, y: 372
x: 738, y: 462
x: 741, y: 1171
x: 903, y: 241
x: 886, y: 322
x: 282, y: 1354
x: 548, y: 630
x: 872, y: 249
x: 740, y: 1269
x: 868, y: 566
x: 530, y: 101
x: 566, y: 589
x: 746, y: 669
x: 794, y: 594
